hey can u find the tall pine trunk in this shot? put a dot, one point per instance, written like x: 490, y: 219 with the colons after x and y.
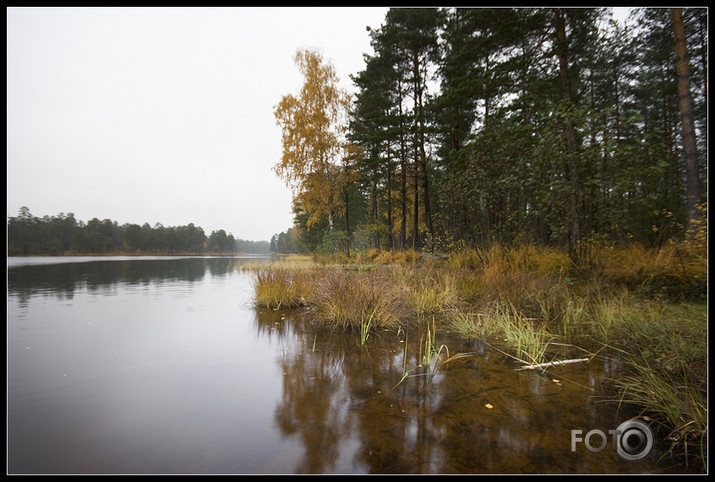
x: 425, y: 189
x: 390, y: 240
x: 403, y: 181
x: 347, y: 210
x: 692, y: 183
x: 416, y: 207
x: 417, y: 96
x: 569, y: 131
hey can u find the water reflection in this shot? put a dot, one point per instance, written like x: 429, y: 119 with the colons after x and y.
x: 62, y: 280
x: 475, y: 415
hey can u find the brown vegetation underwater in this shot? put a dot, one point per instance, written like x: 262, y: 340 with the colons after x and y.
x: 648, y: 306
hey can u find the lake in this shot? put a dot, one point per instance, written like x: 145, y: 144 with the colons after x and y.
x: 161, y: 365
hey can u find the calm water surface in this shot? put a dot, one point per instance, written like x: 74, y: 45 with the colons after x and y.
x: 161, y: 365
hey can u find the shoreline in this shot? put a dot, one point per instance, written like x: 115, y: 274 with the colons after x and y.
x: 646, y: 306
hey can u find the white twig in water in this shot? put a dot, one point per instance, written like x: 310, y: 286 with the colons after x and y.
x: 554, y: 363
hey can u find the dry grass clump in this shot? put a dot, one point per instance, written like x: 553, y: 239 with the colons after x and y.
x: 403, y: 292
x: 427, y: 289
x: 497, y: 260
x: 636, y: 263
x: 398, y: 258
x: 357, y: 299
x: 674, y: 271
x: 277, y: 286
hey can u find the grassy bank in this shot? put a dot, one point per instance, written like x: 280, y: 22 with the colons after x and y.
x: 646, y: 306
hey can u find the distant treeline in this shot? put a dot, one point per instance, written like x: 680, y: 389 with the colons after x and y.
x: 288, y: 242
x: 63, y: 234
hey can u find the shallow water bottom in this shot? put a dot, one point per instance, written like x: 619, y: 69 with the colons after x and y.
x: 474, y: 414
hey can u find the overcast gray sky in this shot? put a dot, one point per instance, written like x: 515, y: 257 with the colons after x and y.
x: 162, y: 114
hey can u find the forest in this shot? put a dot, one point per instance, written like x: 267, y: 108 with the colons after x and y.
x: 475, y: 126
x: 63, y: 234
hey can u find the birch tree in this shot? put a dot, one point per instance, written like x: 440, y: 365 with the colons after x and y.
x: 313, y: 125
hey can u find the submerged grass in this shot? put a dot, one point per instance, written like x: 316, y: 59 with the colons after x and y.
x: 676, y: 402
x: 648, y: 304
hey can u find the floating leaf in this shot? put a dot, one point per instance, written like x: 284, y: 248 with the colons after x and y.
x: 489, y: 406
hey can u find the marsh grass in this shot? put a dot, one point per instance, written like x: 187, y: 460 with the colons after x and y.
x: 675, y: 272
x: 677, y: 403
x: 428, y: 290
x: 431, y: 353
x: 468, y: 324
x: 365, y: 329
x: 528, y: 337
x: 665, y: 349
x: 646, y: 303
x: 279, y: 286
x: 357, y: 299
x: 607, y: 313
x: 432, y: 357
x: 395, y: 258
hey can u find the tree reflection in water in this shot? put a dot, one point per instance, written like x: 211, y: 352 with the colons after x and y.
x: 344, y: 403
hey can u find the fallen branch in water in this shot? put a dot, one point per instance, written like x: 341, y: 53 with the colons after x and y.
x: 548, y: 364
x: 554, y: 363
